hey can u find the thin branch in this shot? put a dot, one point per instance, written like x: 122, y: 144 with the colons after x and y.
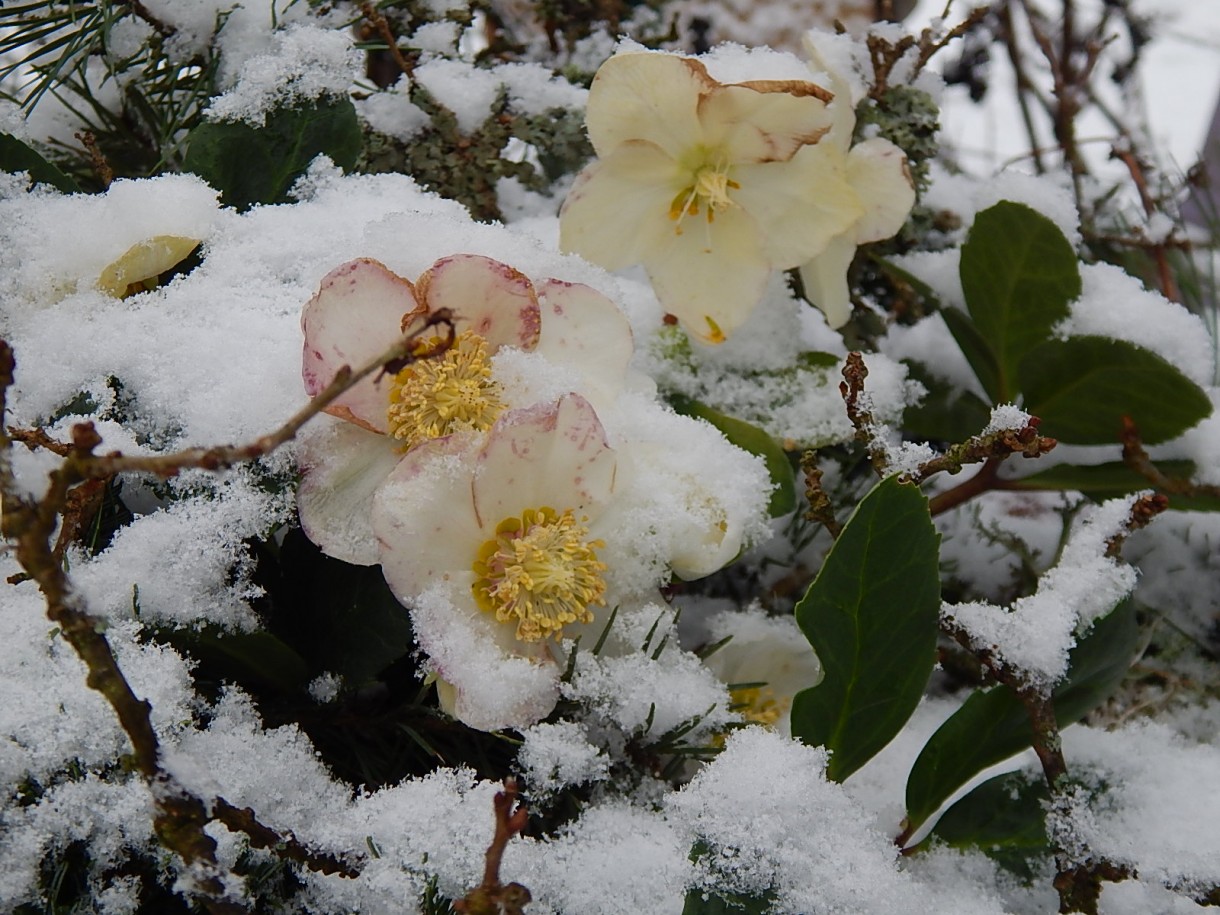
x: 491, y: 897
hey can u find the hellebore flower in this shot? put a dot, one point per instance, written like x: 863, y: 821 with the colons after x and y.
x: 771, y: 660
x: 497, y: 551
x: 140, y: 265
x: 362, y: 306
x: 702, y: 183
x: 878, y: 177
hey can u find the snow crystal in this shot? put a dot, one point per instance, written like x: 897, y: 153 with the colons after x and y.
x: 1035, y: 635
x: 303, y: 64
x: 1006, y: 417
x: 554, y: 756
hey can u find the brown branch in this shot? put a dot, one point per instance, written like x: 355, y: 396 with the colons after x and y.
x: 821, y: 510
x: 97, y: 159
x: 285, y: 845
x: 851, y: 388
x: 1025, y: 441
x: 382, y: 26
x: 491, y: 897
x: 1169, y: 285
x: 1136, y: 457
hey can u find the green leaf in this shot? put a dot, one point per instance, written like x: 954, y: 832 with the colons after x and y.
x: 1005, y: 816
x: 342, y: 618
x: 251, y: 165
x: 749, y: 438
x: 975, y: 348
x: 16, y: 156
x: 726, y: 904
x: 1019, y: 273
x: 1082, y: 387
x: 947, y: 413
x: 871, y: 616
x: 992, y: 724
x: 247, y: 658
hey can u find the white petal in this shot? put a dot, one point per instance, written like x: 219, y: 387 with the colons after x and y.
x: 764, y: 121
x: 712, y: 275
x: 583, y: 329
x: 647, y: 96
x: 342, y: 465
x: 493, y: 299
x: 552, y: 455
x: 487, y: 687
x: 825, y: 280
x: 878, y: 171
x: 619, y: 206
x: 357, y: 313
x: 423, y: 516
x: 801, y: 204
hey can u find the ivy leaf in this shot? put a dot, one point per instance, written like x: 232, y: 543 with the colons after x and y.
x: 16, y: 156
x: 871, y: 616
x: 251, y: 165
x: 1019, y: 273
x: 1083, y: 386
x: 749, y: 438
x: 992, y: 724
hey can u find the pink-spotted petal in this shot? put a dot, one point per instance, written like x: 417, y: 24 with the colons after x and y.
x: 877, y: 170
x: 647, y: 96
x: 493, y: 299
x: 342, y: 465
x: 765, y: 121
x: 712, y: 275
x: 618, y: 209
x: 357, y: 313
x: 825, y: 280
x: 583, y: 329
x: 550, y: 455
x: 423, y: 517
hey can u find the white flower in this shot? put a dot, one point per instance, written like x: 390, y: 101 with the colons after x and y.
x: 498, y: 553
x: 701, y: 182
x: 877, y: 176
x: 767, y: 661
x: 362, y: 307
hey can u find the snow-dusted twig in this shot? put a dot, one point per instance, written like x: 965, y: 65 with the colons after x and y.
x: 491, y: 897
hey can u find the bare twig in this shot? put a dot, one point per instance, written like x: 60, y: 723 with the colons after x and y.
x: 491, y: 897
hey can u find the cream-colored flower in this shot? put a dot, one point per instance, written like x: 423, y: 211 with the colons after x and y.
x: 498, y: 552
x: 362, y: 307
x: 877, y: 176
x: 702, y: 183
x: 766, y: 662
x: 138, y: 268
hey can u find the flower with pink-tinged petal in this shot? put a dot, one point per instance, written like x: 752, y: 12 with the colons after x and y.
x: 702, y: 183
x: 362, y: 307
x: 497, y: 551
x: 877, y: 175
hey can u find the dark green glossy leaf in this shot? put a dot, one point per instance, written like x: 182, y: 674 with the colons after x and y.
x: 1114, y: 478
x: 1019, y: 273
x: 992, y: 725
x: 251, y: 165
x: 1082, y: 387
x: 725, y: 904
x: 1005, y: 816
x: 978, y: 351
x: 754, y: 440
x: 947, y: 413
x: 342, y: 618
x: 247, y: 658
x: 16, y: 156
x: 871, y: 616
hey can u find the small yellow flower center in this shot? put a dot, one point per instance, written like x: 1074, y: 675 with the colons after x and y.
x: 760, y: 705
x: 451, y: 393
x: 541, y: 572
x: 708, y: 191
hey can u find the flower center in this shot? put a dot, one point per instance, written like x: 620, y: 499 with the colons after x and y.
x: 451, y: 393
x: 541, y: 572
x: 759, y: 704
x: 708, y: 191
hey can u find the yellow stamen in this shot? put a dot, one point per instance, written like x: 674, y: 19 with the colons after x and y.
x: 541, y: 572
x: 451, y: 393
x: 708, y: 191
x: 759, y: 704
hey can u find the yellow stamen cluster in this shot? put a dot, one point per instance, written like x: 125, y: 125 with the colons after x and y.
x: 541, y: 572
x: 708, y: 191
x: 451, y: 393
x: 759, y: 704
